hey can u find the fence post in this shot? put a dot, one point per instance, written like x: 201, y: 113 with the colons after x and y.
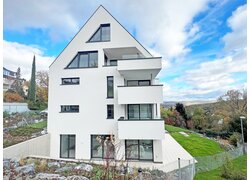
x: 193, y: 168
x: 179, y: 167
x: 139, y: 174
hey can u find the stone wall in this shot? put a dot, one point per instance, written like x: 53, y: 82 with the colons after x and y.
x: 37, y: 146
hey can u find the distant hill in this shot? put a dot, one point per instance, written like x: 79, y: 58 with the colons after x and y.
x: 168, y: 104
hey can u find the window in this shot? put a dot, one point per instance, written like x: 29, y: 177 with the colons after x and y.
x: 113, y: 62
x: 102, y: 34
x: 102, y: 147
x: 70, y: 108
x: 138, y: 82
x: 110, y: 87
x: 139, y: 149
x: 139, y: 111
x: 84, y: 60
x: 110, y: 111
x: 70, y: 81
x: 67, y: 146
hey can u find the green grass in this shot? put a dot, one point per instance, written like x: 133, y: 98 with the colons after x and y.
x: 171, y: 129
x: 194, y: 143
x: 239, y: 164
x: 41, y: 125
x: 28, y: 130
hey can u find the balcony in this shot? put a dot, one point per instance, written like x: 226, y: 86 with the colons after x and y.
x: 140, y: 94
x: 141, y: 129
x: 139, y: 68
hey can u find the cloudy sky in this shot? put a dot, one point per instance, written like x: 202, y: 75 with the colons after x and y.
x: 202, y: 42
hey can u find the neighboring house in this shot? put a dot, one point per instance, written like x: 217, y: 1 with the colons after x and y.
x: 102, y: 87
x: 8, y: 78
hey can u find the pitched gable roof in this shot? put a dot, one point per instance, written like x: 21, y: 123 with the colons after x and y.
x: 96, y: 11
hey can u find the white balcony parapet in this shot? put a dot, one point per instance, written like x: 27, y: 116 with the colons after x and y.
x: 139, y: 67
x: 140, y: 94
x: 141, y: 129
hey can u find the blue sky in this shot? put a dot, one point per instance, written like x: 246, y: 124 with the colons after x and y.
x: 202, y: 42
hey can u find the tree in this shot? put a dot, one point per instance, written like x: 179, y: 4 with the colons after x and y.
x: 17, y: 85
x: 12, y: 97
x: 42, y: 80
x: 235, y: 101
x: 235, y: 126
x: 32, y: 87
x: 181, y: 109
x: 199, y: 119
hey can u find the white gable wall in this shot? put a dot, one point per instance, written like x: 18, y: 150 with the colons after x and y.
x: 91, y: 93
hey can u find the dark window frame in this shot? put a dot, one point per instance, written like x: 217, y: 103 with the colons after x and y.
x: 69, y: 111
x: 78, y: 60
x: 71, y: 78
x: 140, y: 110
x: 138, y: 82
x: 113, y: 60
x: 68, y: 136
x: 112, y: 114
x: 110, y: 97
x: 91, y: 148
x: 100, y: 27
x: 138, y: 144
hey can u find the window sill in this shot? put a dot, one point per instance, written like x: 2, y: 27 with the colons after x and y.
x: 68, y: 84
x: 110, y: 118
x: 68, y: 112
x: 82, y: 67
x: 110, y: 97
x: 97, y: 41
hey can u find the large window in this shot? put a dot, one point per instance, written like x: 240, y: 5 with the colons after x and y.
x: 70, y: 108
x: 67, y: 146
x: 110, y: 111
x: 102, y: 34
x: 70, y: 81
x: 84, y: 60
x: 138, y: 82
x: 139, y: 149
x: 110, y: 87
x: 102, y: 147
x: 139, y: 111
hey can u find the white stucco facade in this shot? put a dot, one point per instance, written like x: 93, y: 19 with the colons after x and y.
x: 91, y: 92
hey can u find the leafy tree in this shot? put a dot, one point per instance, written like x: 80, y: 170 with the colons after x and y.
x: 12, y: 97
x: 42, y: 81
x: 199, y: 119
x: 235, y: 101
x: 32, y: 87
x: 235, y: 126
x: 17, y: 85
x: 181, y: 109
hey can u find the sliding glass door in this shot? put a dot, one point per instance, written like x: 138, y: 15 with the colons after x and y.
x: 139, y: 111
x: 139, y: 149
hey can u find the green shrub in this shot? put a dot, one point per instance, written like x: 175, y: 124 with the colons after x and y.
x: 227, y: 169
x: 234, y: 138
x: 6, y: 114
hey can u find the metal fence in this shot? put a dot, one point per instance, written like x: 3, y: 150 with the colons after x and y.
x: 208, y: 163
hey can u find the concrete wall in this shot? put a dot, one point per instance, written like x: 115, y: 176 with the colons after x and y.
x: 15, y: 107
x: 37, y: 146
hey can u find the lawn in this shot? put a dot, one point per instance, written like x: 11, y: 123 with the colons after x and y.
x: 239, y: 164
x: 194, y: 143
x: 28, y: 130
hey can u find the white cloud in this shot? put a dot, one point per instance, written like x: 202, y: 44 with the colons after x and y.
x: 20, y: 55
x: 237, y: 39
x: 167, y: 24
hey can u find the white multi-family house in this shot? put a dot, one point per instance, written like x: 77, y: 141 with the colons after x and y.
x: 103, y: 88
